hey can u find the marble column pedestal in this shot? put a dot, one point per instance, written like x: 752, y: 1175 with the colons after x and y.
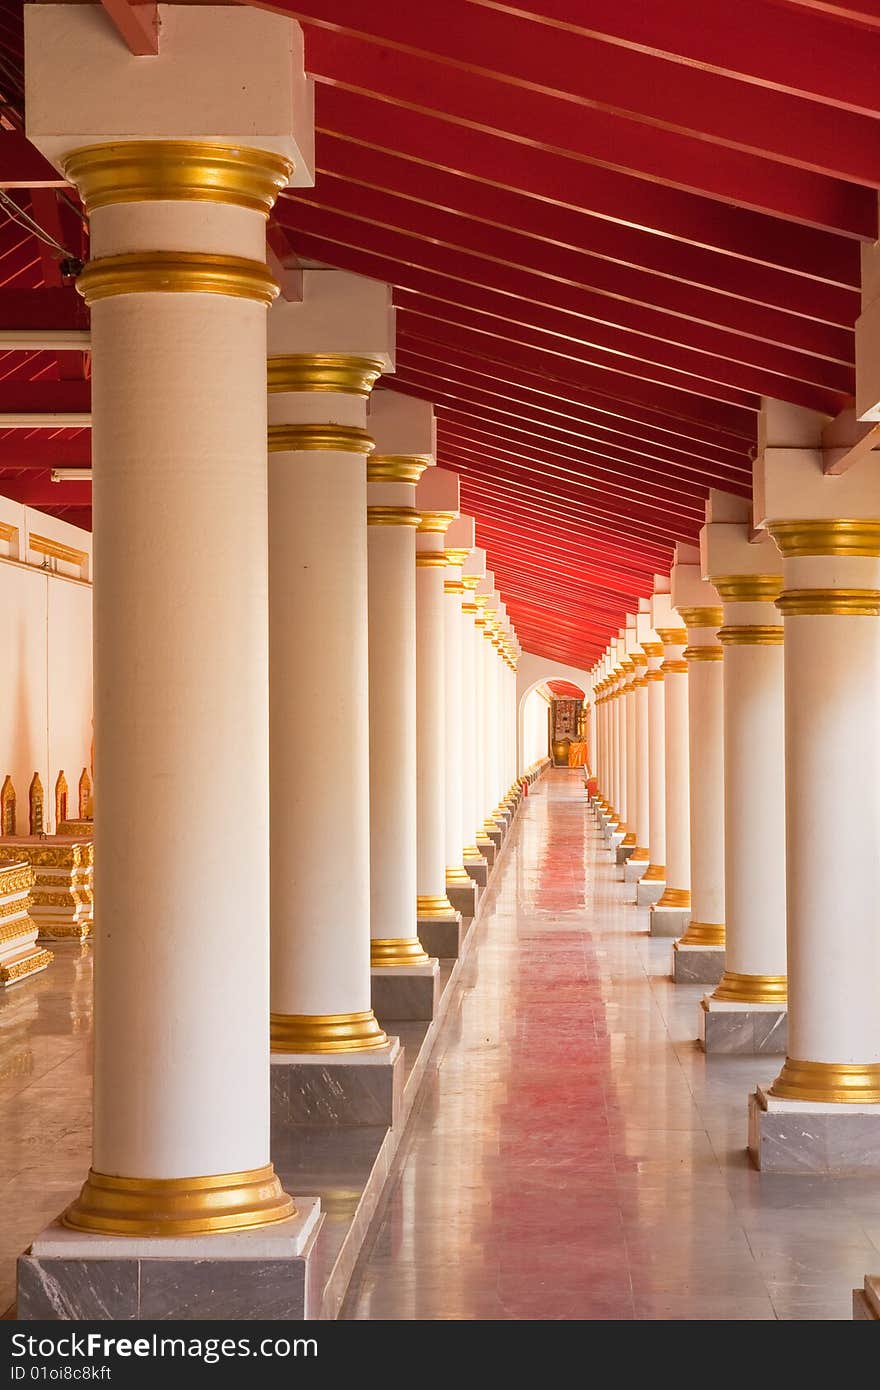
x: 741, y: 1028
x: 697, y: 965
x: 633, y: 869
x: 441, y: 937
x: 265, y: 1274
x: 669, y: 921
x: 622, y: 853
x: 649, y: 890
x: 789, y: 1136
x: 478, y: 869
x: 866, y: 1301
x: 336, y: 1088
x: 464, y: 898
x: 406, y: 993
x: 496, y: 835
x: 489, y: 851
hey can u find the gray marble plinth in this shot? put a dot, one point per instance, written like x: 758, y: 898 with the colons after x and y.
x: 669, y: 921
x: 648, y: 891
x: 496, y: 836
x: 747, y: 1030
x: 633, y: 870
x: 796, y: 1138
x: 479, y: 871
x: 622, y: 853
x: 442, y: 938
x: 345, y: 1088
x: 489, y: 851
x: 866, y: 1301
x: 697, y: 965
x: 405, y: 993
x: 464, y: 898
x: 262, y: 1274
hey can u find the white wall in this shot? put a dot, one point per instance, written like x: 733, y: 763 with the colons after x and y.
x: 535, y: 728
x: 46, y: 637
x: 532, y: 671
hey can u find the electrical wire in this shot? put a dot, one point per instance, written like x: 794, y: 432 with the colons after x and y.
x: 25, y: 220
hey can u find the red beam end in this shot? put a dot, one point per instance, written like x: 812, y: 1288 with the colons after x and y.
x: 137, y: 24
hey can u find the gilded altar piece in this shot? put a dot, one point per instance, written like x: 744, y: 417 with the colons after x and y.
x: 20, y: 955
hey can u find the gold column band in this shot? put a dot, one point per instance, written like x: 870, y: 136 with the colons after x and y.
x: 393, y: 950
x: 655, y: 873
x: 701, y: 617
x: 654, y: 676
x: 751, y: 989
x: 324, y: 371
x: 652, y: 648
x: 844, y: 603
x: 752, y: 635
x: 453, y: 586
x: 640, y: 855
x: 343, y: 439
x: 179, y: 1206
x: 430, y: 559
x: 357, y: 1032
x: 395, y: 468
x: 435, y: 906
x: 162, y: 171
x: 703, y: 934
x: 674, y: 667
x: 672, y: 636
x: 176, y: 272
x: 675, y: 897
x: 437, y: 523
x: 843, y: 536
x: 392, y: 516
x: 749, y: 588
x: 856, y: 1083
x: 702, y: 654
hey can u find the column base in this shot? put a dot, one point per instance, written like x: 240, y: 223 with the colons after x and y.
x: 496, y: 835
x: 442, y: 939
x: 487, y: 848
x: 464, y: 896
x: 622, y: 852
x: 478, y: 870
x: 406, y: 993
x: 649, y: 890
x: 697, y: 965
x: 790, y: 1136
x: 348, y: 1088
x: 746, y: 1029
x: 668, y: 921
x: 866, y: 1301
x: 263, y: 1273
x: 635, y: 867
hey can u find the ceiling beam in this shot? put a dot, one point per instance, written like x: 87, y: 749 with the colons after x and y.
x: 136, y: 24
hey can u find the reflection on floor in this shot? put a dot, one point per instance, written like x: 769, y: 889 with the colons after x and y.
x: 573, y: 1155
x: 576, y: 1155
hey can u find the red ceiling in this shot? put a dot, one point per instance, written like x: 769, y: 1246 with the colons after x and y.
x: 565, y: 690
x: 611, y: 229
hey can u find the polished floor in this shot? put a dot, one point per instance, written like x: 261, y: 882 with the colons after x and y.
x: 576, y: 1156
x: 573, y: 1154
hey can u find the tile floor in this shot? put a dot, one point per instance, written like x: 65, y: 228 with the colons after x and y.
x: 574, y: 1155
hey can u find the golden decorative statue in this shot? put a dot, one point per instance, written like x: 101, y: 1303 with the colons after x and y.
x: 7, y: 807
x: 60, y: 798
x: 35, y: 798
x: 86, y: 808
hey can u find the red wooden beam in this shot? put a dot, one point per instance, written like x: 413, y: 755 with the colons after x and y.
x: 22, y: 165
x: 136, y: 24
x: 549, y: 122
x: 44, y: 396
x: 48, y: 307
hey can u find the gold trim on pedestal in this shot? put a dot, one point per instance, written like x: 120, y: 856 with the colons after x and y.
x: 854, y: 1083
x: 357, y: 1032
x: 392, y: 516
x: 703, y: 934
x: 672, y: 636
x: 430, y: 559
x: 842, y: 536
x: 702, y: 654
x: 397, y: 950
x: 115, y: 1206
x: 437, y: 524
x: 674, y: 666
x: 324, y: 371
x: 655, y: 873
x: 751, y: 989
x: 639, y: 855
x: 471, y: 852
x: 652, y: 648
x: 457, y: 875
x: 701, y: 617
x: 655, y: 675
x: 435, y: 906
x: 752, y: 635
x: 748, y: 588
x: 628, y: 839
x: 176, y: 272
x: 26, y: 965
x: 395, y: 468
x: 845, y: 603
x: 343, y: 439
x: 162, y: 171
x: 675, y: 897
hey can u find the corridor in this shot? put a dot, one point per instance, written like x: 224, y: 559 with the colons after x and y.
x: 575, y: 1155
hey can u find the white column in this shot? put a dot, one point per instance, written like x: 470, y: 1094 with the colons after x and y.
x: 632, y: 779
x: 178, y: 289
x: 656, y: 870
x: 403, y: 432
x: 706, y: 762
x: 325, y: 353
x: 458, y: 545
x: 742, y: 570
x: 641, y: 853
x: 481, y: 597
x: 437, y: 503
x: 473, y: 570
x: 677, y: 892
